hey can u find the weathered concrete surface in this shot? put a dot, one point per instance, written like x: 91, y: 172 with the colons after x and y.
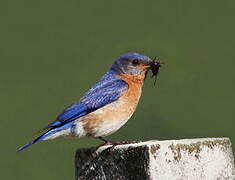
x: 187, y: 159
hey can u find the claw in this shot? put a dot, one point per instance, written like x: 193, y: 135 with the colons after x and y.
x: 114, y: 143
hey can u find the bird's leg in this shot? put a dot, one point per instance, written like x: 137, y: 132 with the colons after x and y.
x: 114, y: 143
x: 106, y: 141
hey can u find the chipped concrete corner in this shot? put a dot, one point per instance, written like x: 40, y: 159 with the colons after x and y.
x: 204, y: 159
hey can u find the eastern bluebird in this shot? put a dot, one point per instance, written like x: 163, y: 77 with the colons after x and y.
x: 107, y: 105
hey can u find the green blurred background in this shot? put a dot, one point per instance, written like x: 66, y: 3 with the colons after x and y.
x: 52, y: 51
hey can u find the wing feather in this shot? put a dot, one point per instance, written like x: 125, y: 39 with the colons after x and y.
x: 105, y: 91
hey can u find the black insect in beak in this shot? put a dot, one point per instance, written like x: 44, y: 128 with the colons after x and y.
x: 155, y: 65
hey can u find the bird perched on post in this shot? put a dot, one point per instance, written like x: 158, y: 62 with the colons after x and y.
x: 107, y: 105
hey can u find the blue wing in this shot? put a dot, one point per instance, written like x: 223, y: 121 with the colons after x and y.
x: 105, y: 91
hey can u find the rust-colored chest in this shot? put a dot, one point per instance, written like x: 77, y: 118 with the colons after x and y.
x: 111, y: 117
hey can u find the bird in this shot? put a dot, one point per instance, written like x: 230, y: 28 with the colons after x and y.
x: 106, y: 106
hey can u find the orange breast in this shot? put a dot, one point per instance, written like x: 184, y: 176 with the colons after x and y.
x: 131, y: 97
x: 111, y: 117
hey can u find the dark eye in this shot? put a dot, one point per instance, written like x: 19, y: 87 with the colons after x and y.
x: 135, y: 61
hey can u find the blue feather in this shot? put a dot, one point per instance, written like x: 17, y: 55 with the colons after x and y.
x: 107, y: 90
x: 45, y: 135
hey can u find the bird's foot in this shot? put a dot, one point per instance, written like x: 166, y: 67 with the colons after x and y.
x: 105, y: 144
x: 123, y: 142
x: 113, y: 143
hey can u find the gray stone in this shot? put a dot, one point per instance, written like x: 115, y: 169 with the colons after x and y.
x: 191, y: 159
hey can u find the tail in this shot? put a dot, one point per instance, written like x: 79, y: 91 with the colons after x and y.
x: 40, y: 138
x: 30, y: 143
x: 46, y: 135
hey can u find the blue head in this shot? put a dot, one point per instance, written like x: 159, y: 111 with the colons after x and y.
x: 131, y: 63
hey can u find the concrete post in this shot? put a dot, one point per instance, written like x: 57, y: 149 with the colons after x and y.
x: 186, y: 159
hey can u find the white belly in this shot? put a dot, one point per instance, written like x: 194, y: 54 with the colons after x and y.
x: 108, y: 127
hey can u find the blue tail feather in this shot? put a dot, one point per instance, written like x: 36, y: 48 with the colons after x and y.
x: 32, y: 142
x: 44, y: 135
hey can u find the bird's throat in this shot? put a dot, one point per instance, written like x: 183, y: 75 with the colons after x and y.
x: 139, y: 79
